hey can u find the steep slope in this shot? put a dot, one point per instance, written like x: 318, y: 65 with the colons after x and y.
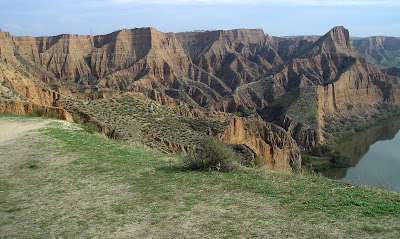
x: 380, y: 50
x: 197, y: 68
x: 20, y: 91
x: 85, y: 68
x: 270, y: 142
x: 236, y: 57
x: 325, y: 78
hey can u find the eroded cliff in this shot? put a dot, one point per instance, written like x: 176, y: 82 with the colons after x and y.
x: 271, y: 143
x: 295, y: 82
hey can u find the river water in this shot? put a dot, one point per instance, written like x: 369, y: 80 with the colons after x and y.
x: 375, y: 155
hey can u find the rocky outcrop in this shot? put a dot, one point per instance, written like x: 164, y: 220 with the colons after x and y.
x: 31, y: 90
x: 25, y: 108
x: 304, y: 136
x: 269, y: 142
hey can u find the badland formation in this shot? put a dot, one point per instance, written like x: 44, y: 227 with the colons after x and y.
x: 271, y: 95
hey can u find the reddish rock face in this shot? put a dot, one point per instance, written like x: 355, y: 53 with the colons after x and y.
x: 242, y: 70
x: 270, y: 142
x: 23, y: 108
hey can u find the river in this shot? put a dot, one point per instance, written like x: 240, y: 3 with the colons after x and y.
x: 375, y: 155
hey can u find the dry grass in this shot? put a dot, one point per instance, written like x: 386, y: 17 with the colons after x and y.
x: 139, y: 118
x: 63, y: 182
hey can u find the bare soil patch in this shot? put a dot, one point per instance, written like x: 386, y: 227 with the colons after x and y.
x: 14, y: 128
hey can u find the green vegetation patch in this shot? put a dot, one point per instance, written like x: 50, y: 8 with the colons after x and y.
x: 211, y: 155
x: 89, y: 186
x: 298, y: 104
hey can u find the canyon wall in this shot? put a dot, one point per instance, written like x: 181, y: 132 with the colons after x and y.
x: 293, y: 82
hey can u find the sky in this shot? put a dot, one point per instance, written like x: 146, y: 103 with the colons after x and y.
x: 276, y: 17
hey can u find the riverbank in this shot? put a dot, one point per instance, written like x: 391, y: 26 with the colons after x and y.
x: 374, y: 155
x: 339, y: 128
x: 346, y: 151
x: 60, y: 181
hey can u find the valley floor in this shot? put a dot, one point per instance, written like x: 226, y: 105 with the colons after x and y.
x: 56, y: 180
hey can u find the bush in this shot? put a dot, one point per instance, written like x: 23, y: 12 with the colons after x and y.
x: 258, y: 162
x: 321, y: 150
x: 244, y: 155
x: 77, y: 119
x: 239, y: 114
x: 39, y: 112
x: 349, y: 106
x: 340, y: 161
x: 316, y: 151
x: 91, y: 127
x: 211, y: 155
x: 53, y: 114
x: 306, y: 159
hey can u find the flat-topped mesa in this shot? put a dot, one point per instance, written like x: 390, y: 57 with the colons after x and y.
x: 256, y: 36
x: 234, y: 56
x: 165, y: 47
x: 70, y: 56
x: 240, y: 34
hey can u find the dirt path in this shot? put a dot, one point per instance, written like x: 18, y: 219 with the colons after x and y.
x: 12, y: 128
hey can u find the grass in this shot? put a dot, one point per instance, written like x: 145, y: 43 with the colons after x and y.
x: 86, y: 185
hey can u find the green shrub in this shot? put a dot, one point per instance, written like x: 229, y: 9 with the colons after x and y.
x: 258, y: 162
x: 316, y: 151
x: 53, y: 114
x: 39, y: 112
x: 91, y: 127
x: 305, y: 159
x: 321, y: 150
x: 77, y: 119
x: 340, y: 161
x: 239, y: 114
x: 349, y: 106
x: 325, y: 149
x: 244, y: 154
x: 211, y: 155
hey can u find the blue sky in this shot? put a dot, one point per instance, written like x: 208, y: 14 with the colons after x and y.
x: 276, y: 17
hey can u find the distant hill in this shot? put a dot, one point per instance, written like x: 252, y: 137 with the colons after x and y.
x: 381, y: 51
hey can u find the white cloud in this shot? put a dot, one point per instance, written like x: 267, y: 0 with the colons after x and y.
x: 269, y: 2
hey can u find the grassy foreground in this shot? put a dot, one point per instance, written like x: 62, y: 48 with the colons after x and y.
x: 63, y: 182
